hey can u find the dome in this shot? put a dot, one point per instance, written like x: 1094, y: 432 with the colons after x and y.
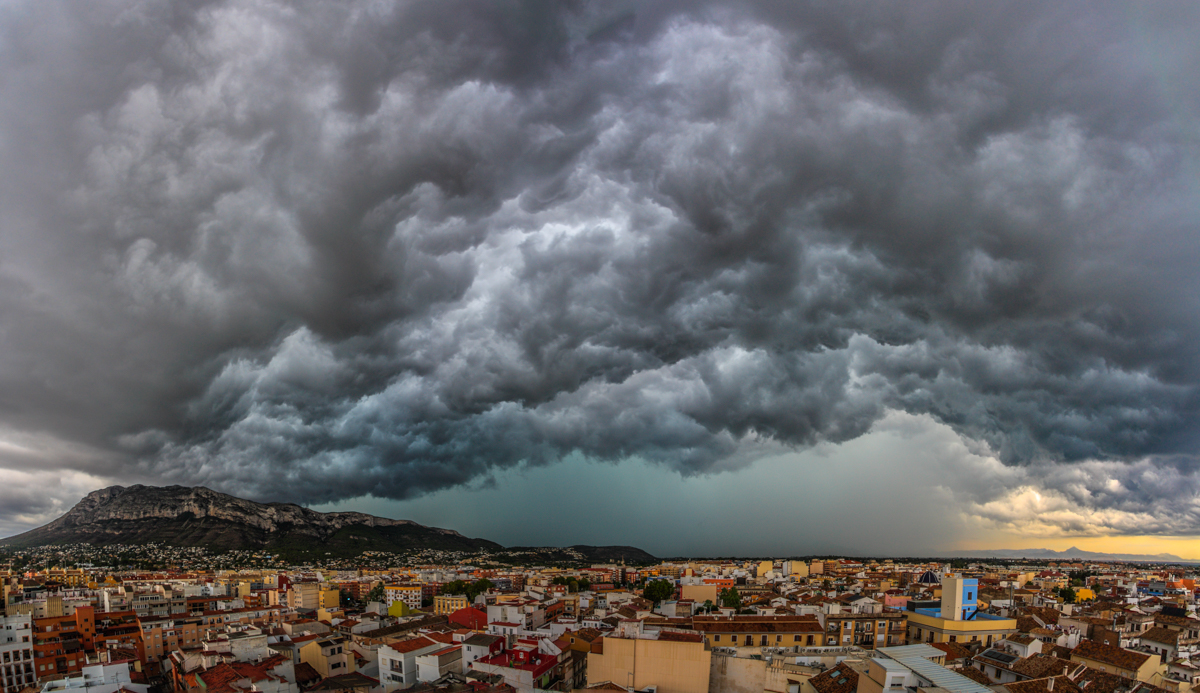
x: 929, y: 578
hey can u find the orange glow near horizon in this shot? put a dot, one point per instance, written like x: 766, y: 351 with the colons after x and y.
x: 1187, y: 547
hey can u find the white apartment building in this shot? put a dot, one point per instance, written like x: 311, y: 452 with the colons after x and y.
x: 16, y: 653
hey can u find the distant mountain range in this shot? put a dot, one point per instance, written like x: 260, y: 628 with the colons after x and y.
x: 218, y: 522
x: 1074, y: 552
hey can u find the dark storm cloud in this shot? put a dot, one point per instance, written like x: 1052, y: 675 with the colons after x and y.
x: 316, y: 250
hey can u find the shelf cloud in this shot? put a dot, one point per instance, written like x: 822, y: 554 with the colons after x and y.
x: 317, y: 250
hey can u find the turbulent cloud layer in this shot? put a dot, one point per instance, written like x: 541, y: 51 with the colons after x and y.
x: 315, y: 250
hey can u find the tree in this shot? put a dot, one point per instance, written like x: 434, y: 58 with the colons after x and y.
x: 455, y: 587
x: 730, y: 598
x: 1067, y: 594
x: 584, y: 584
x: 376, y: 593
x: 468, y: 589
x: 708, y: 606
x: 479, y: 587
x: 658, y: 590
x: 827, y: 585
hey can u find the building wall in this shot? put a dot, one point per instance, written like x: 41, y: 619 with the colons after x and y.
x: 960, y: 597
x: 699, y: 593
x: 675, y: 667
x: 737, y: 674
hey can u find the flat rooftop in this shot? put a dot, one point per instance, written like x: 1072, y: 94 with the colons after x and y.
x: 937, y: 613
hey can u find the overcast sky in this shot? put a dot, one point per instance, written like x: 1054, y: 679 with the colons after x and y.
x: 695, y: 276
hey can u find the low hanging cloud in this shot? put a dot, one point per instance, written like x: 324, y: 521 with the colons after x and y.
x: 314, y: 250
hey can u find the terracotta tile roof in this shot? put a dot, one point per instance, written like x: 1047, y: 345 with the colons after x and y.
x: 1096, y: 681
x: 345, y: 682
x: 1107, y: 654
x: 974, y: 674
x: 306, y: 674
x: 220, y: 679
x: 588, y: 634
x: 1181, y: 621
x: 1056, y: 651
x: 411, y: 645
x: 1040, y: 666
x: 954, y: 651
x: 745, y: 625
x: 1161, y: 635
x: 840, y: 679
x: 1027, y: 623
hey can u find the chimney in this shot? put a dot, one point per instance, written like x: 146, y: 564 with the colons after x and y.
x: 1050, y: 684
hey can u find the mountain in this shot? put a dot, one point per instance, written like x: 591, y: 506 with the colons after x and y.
x: 186, y: 516
x: 580, y: 553
x: 1074, y: 552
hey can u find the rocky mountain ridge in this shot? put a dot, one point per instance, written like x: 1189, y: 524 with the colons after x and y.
x: 150, y: 502
x: 218, y: 522
x: 198, y: 516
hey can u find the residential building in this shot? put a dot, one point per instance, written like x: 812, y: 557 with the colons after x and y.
x: 1115, y: 660
x: 524, y: 670
x: 449, y: 603
x: 328, y: 655
x: 914, y: 667
x: 397, y: 661
x: 759, y: 631
x: 957, y: 618
x: 120, y: 630
x: 432, y: 666
x: 16, y: 653
x: 163, y: 635
x: 60, y: 643
x: 480, y: 645
x: 866, y: 630
x: 409, y: 595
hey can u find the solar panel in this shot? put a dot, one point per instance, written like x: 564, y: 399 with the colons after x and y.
x: 1000, y: 656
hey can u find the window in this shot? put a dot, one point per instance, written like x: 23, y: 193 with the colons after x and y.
x: 716, y: 638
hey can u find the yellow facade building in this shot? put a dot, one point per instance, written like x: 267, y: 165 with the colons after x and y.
x: 449, y: 603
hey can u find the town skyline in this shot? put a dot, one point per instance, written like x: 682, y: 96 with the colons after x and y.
x: 745, y: 277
